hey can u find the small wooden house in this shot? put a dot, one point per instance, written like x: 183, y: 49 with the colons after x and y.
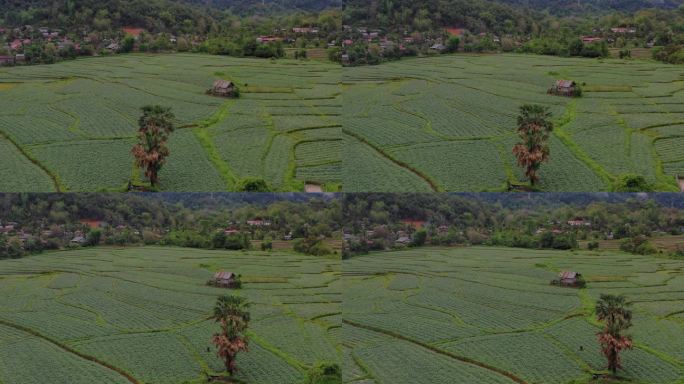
x: 567, y: 88
x: 223, y: 88
x: 225, y: 279
x: 569, y: 279
x: 6, y: 60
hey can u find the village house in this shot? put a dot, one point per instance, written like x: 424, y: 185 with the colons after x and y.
x: 268, y: 39
x: 78, y: 240
x: 591, y: 39
x: 455, y: 31
x: 438, y: 47
x: 623, y: 30
x: 6, y: 60
x: 579, y: 222
x: 134, y: 32
x: 225, y: 279
x: 19, y: 58
x: 258, y: 222
x: 305, y: 30
x: 113, y: 46
x: 416, y: 224
x: 231, y: 231
x: 92, y: 223
x: 403, y: 241
x: 25, y: 237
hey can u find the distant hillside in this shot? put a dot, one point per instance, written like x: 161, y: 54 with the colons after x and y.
x: 579, y: 6
x: 259, y: 6
x: 146, y: 12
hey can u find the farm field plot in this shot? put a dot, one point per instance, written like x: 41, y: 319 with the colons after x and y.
x: 490, y: 315
x: 450, y: 121
x: 141, y: 315
x: 76, y: 122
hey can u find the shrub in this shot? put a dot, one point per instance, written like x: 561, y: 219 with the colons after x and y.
x: 593, y: 245
x: 632, y: 183
x: 324, y: 373
x: 311, y: 246
x: 253, y: 185
x: 266, y: 245
x: 639, y: 245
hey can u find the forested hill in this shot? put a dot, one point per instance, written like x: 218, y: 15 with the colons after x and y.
x: 424, y: 15
x: 151, y: 14
x: 583, y: 6
x: 269, y: 6
x: 497, y: 16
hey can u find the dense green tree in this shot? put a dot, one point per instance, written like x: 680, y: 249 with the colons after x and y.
x: 617, y: 318
x: 534, y: 128
x: 232, y: 315
x: 155, y: 126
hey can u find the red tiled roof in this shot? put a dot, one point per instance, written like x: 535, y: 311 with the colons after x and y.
x: 135, y: 32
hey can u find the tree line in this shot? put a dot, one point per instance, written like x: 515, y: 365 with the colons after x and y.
x: 557, y: 221
x: 52, y: 221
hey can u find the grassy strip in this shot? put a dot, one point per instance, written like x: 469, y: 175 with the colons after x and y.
x: 569, y: 353
x: 204, y: 137
x: 59, y: 187
x: 661, y: 355
x: 664, y: 182
x: 287, y: 358
x: 73, y: 351
x: 439, y: 351
x: 363, y: 367
x: 565, y: 138
x: 433, y: 184
x: 196, y: 356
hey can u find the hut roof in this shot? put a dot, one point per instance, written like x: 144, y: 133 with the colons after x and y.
x: 565, y: 83
x: 568, y: 275
x: 223, y: 275
x: 223, y: 84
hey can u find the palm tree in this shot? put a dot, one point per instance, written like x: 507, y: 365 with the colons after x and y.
x: 150, y: 153
x: 534, y: 128
x: 612, y: 310
x: 231, y: 313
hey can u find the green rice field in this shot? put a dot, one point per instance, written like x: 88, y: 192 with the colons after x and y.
x: 71, y: 126
x: 141, y: 315
x: 448, y: 123
x: 490, y: 315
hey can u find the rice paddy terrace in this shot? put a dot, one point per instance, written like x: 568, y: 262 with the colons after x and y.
x: 140, y: 315
x: 71, y: 126
x: 490, y: 315
x: 448, y: 123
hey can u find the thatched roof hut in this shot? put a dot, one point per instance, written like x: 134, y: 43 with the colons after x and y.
x: 223, y: 88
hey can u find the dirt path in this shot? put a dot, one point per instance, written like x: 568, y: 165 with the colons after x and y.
x: 53, y: 177
x: 441, y: 352
x: 95, y: 360
x: 396, y: 162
